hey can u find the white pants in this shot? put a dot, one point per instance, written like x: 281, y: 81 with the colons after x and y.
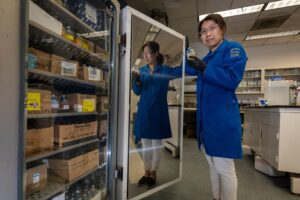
x: 151, y: 153
x: 223, y: 177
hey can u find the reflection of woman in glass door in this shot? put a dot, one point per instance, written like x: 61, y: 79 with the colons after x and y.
x: 152, y: 123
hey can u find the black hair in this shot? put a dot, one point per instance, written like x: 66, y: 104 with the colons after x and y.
x: 154, y: 47
x: 218, y: 19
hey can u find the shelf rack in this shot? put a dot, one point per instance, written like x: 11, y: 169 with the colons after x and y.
x: 46, y: 40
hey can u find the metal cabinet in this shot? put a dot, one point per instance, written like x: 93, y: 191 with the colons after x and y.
x: 279, y: 138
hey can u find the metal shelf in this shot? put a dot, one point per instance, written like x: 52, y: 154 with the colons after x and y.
x: 69, y: 114
x: 54, y: 188
x: 249, y: 87
x: 249, y: 77
x: 63, y: 82
x: 46, y: 40
x: 65, y: 16
x: 282, y: 75
x: 249, y: 93
x: 58, y: 150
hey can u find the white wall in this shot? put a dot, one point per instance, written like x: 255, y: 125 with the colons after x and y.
x: 271, y: 56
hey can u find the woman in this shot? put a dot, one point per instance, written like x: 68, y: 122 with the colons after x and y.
x: 152, y: 120
x: 218, y: 117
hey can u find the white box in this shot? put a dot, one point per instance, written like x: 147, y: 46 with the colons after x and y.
x: 264, y: 167
x: 295, y: 184
x: 41, y: 17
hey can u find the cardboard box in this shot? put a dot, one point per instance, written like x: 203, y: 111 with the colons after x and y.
x: 59, y: 65
x: 93, y: 159
x: 41, y: 17
x: 82, y: 102
x: 43, y: 59
x: 75, y: 167
x: 36, y: 179
x: 73, y: 132
x: 90, y: 74
x: 38, y: 101
x: 39, y: 139
x: 85, y: 129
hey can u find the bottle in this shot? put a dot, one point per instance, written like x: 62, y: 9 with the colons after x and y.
x: 78, y: 40
x: 190, y: 52
x: 85, y: 44
x: 54, y: 103
x: 69, y: 34
x: 64, y: 103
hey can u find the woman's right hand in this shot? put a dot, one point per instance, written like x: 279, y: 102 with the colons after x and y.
x: 136, y: 75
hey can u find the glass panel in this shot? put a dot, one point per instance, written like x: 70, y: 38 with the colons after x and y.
x: 68, y: 87
x: 155, y: 109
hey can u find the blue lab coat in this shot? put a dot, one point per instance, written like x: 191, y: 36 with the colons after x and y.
x: 152, y: 118
x: 218, y: 116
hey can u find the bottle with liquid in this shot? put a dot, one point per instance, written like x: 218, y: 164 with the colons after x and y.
x: 78, y: 40
x: 69, y: 34
x: 190, y: 52
x: 54, y: 103
x: 64, y: 105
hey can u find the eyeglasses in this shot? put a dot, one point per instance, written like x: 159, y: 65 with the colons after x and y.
x: 146, y: 53
x: 210, y: 29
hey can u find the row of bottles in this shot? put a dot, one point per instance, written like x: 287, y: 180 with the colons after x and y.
x: 88, y: 187
x: 61, y: 105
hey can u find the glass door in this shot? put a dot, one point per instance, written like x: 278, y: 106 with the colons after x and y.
x: 68, y: 101
x: 150, y: 107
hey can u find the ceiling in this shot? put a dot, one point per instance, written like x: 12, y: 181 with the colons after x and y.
x: 183, y: 17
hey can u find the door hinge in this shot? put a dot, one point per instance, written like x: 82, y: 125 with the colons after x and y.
x: 119, y: 173
x: 277, y: 136
x: 276, y: 159
x: 123, y: 40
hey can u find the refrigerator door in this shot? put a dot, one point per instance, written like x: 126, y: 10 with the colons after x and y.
x: 69, y: 83
x: 137, y: 29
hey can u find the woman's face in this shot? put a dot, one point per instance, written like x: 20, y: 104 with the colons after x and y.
x: 149, y: 57
x: 211, y: 34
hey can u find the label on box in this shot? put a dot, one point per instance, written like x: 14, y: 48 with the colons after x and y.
x: 77, y: 108
x: 68, y: 68
x: 88, y: 105
x: 91, y: 13
x: 36, y: 178
x: 94, y: 74
x: 33, y: 101
x: 66, y: 107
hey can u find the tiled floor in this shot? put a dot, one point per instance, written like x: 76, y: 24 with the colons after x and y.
x: 195, y: 184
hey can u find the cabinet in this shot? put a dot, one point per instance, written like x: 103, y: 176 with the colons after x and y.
x: 253, y: 79
x: 67, y: 112
x: 278, y: 141
x: 283, y: 73
x: 251, y: 83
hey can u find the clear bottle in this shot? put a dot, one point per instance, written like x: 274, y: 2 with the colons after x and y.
x: 64, y: 105
x: 54, y: 103
x: 190, y: 52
